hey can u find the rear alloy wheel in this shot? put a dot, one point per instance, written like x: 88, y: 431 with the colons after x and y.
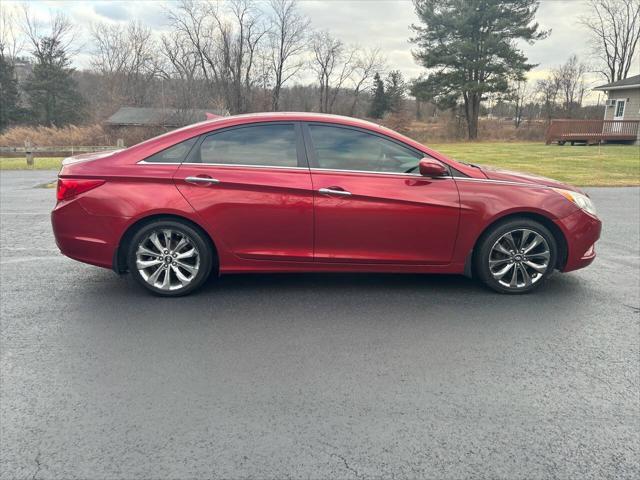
x: 169, y: 258
x: 516, y: 257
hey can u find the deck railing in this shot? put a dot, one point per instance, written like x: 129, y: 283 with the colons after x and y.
x: 592, y: 131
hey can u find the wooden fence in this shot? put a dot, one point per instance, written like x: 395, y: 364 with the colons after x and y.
x: 30, y: 151
x: 591, y: 131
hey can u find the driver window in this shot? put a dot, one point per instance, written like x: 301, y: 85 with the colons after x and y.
x: 338, y: 148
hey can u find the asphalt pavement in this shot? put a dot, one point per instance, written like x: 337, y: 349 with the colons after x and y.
x: 315, y: 376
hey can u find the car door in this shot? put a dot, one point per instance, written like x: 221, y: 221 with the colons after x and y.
x: 252, y: 186
x: 369, y: 204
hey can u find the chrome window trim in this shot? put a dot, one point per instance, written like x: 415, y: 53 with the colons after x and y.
x: 242, y: 165
x: 398, y: 174
x: 197, y: 164
x: 144, y: 162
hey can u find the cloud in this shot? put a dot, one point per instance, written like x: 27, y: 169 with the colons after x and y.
x: 112, y: 10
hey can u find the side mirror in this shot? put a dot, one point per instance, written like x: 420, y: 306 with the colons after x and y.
x: 431, y: 168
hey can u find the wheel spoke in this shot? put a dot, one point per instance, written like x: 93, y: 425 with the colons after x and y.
x: 525, y: 275
x: 537, y: 240
x: 514, y: 278
x: 181, y: 276
x: 544, y: 255
x: 181, y: 244
x: 156, y: 242
x: 501, y: 273
x: 153, y: 278
x: 192, y: 270
x: 142, y: 264
x: 510, y: 242
x: 524, y: 238
x: 167, y: 239
x: 501, y: 249
x: 495, y: 263
x: 166, y: 281
x: 536, y: 267
x: 142, y: 250
x: 188, y: 254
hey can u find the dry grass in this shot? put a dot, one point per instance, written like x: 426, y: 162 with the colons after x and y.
x: 52, y: 136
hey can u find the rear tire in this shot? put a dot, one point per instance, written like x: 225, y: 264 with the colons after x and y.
x: 170, y: 258
x: 516, y: 256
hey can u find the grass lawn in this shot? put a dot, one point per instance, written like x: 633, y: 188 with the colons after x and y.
x: 44, y: 163
x: 613, y: 165
x: 580, y: 165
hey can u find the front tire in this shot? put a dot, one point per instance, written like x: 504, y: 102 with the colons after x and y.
x: 516, y: 256
x: 169, y: 258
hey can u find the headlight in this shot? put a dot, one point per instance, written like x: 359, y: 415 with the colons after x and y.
x: 579, y: 199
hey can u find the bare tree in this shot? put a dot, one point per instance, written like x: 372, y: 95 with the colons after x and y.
x: 367, y: 63
x: 520, y: 96
x: 570, y: 80
x: 547, y: 91
x: 334, y: 65
x: 127, y: 58
x: 225, y: 39
x: 11, y: 42
x: 59, y: 33
x: 615, y: 31
x: 287, y: 40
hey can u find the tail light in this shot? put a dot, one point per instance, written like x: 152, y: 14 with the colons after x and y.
x: 70, y: 187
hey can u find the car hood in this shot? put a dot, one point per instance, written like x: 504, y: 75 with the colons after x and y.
x: 510, y: 176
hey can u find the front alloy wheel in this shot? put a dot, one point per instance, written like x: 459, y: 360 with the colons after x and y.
x: 519, y: 258
x: 516, y: 256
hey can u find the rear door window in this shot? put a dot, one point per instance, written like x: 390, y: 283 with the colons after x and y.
x: 261, y: 145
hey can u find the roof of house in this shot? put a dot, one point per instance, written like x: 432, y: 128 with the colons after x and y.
x: 161, y: 117
x: 629, y: 82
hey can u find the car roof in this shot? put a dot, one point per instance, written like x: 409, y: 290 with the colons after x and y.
x: 155, y: 144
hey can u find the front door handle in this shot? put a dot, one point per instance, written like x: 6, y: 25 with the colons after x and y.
x: 334, y: 191
x: 202, y: 180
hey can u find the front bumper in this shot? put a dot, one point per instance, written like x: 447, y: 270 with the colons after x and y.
x: 581, y: 231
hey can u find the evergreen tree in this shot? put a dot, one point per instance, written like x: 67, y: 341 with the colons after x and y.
x: 52, y: 91
x: 9, y: 98
x: 469, y: 46
x: 395, y: 89
x: 379, y: 103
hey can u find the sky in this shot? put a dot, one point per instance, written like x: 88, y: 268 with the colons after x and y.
x: 368, y: 23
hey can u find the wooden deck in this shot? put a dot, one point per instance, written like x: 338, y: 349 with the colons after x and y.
x: 592, y: 131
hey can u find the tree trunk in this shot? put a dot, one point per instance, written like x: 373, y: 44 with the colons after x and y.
x: 275, y: 100
x: 471, y: 112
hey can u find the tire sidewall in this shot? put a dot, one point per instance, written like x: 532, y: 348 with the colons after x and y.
x: 206, y: 255
x: 488, y: 240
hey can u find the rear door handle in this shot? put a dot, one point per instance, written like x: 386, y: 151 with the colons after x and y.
x: 334, y: 191
x: 202, y: 180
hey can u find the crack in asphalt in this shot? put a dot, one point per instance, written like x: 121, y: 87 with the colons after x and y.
x: 38, y: 466
x: 635, y: 309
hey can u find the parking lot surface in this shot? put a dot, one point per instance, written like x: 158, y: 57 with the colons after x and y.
x: 315, y: 376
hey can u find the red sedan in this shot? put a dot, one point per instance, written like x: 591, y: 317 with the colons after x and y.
x: 300, y: 192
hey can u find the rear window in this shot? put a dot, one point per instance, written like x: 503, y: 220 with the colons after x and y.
x: 174, y: 154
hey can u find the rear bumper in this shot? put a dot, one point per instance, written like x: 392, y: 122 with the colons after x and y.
x: 581, y: 231
x: 84, y: 237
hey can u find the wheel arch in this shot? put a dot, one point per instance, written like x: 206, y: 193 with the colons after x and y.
x: 120, y: 253
x: 558, y: 235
